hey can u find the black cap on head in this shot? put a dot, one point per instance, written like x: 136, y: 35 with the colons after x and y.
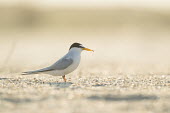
x: 78, y: 45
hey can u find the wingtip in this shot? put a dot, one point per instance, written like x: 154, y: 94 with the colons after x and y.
x: 24, y: 73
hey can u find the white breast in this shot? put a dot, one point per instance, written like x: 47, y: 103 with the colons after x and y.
x: 73, y: 54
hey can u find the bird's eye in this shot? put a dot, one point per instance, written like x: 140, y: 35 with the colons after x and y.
x: 81, y: 46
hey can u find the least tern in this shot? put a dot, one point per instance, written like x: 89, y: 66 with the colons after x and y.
x: 66, y: 64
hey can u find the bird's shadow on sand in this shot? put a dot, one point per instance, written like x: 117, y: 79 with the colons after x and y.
x: 23, y: 100
x: 60, y: 84
x: 54, y: 84
x: 4, y: 78
x: 138, y: 97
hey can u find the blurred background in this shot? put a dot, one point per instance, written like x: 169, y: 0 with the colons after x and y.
x: 127, y: 35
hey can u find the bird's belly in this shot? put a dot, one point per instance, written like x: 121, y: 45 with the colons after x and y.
x: 66, y: 71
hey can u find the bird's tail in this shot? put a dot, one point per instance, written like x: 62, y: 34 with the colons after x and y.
x: 37, y: 71
x: 29, y: 73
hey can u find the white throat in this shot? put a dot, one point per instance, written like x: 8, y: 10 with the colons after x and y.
x: 75, y: 51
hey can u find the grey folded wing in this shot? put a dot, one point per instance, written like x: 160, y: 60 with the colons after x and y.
x: 62, y: 64
x: 59, y: 65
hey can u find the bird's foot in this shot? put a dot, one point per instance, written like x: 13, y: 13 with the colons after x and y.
x: 64, y: 78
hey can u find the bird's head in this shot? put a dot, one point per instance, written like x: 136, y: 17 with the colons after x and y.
x: 79, y: 46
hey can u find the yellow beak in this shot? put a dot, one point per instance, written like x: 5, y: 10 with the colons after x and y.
x: 87, y: 49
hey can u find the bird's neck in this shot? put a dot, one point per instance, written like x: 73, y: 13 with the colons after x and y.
x: 75, y: 51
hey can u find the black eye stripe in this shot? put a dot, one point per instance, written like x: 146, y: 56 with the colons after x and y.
x: 78, y: 45
x: 81, y: 47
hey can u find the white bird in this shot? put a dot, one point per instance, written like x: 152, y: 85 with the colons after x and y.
x: 66, y: 64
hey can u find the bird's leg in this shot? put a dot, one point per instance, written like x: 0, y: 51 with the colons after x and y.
x: 64, y: 78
